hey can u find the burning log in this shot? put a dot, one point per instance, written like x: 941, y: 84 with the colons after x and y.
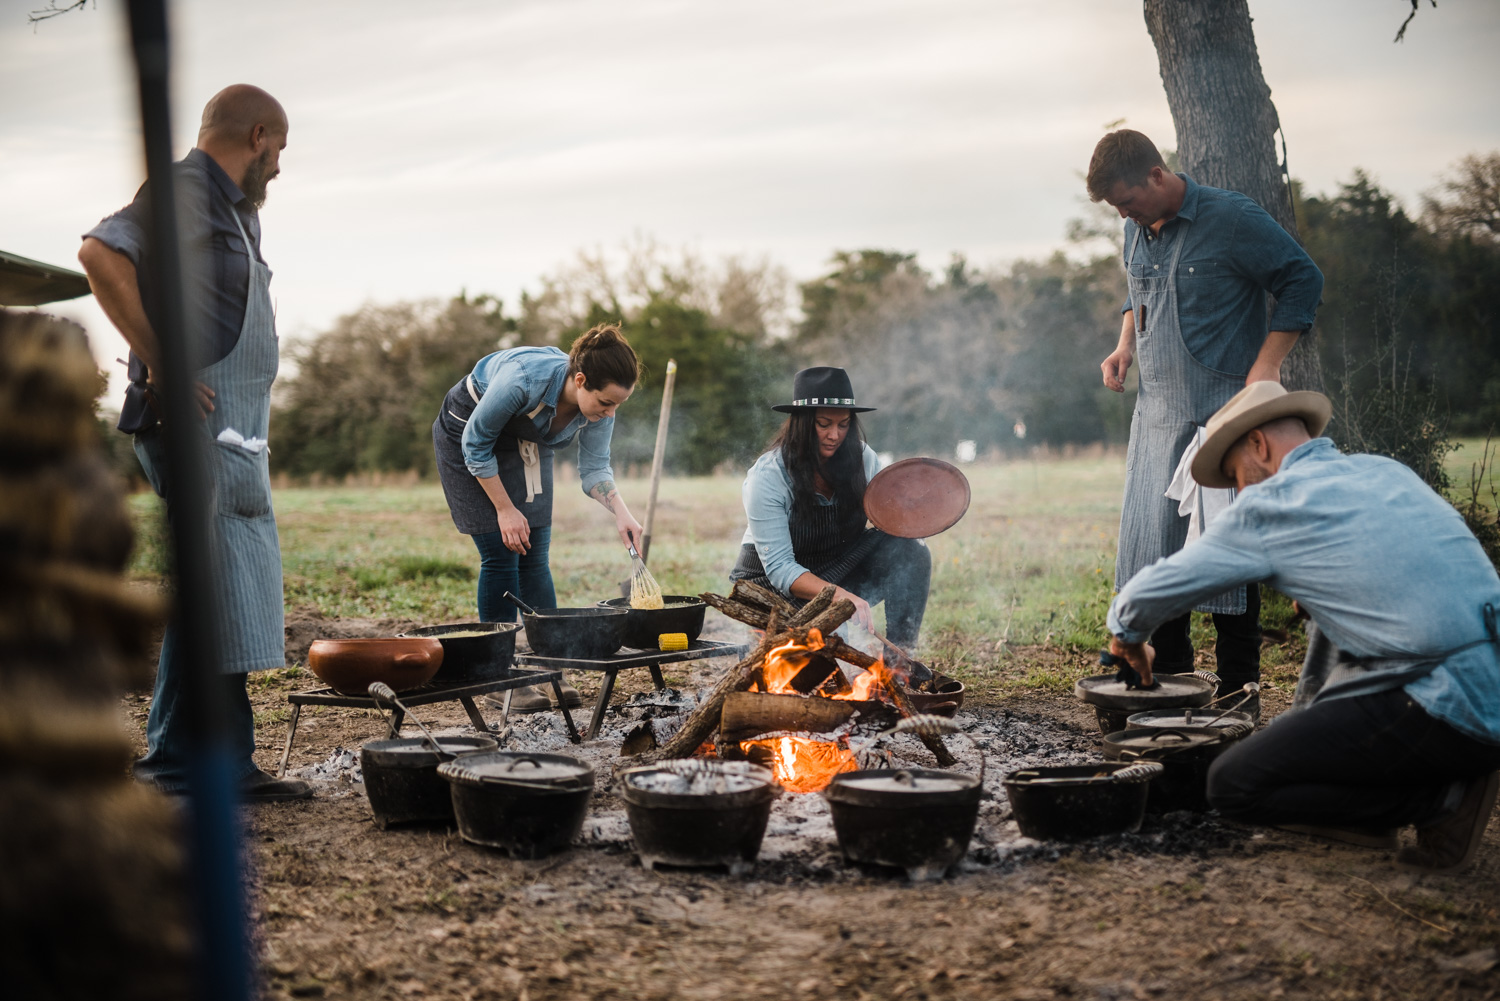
x: 859, y: 658
x: 750, y: 714
x: 702, y: 722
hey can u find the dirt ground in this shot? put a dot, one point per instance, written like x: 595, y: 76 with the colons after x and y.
x: 1190, y: 907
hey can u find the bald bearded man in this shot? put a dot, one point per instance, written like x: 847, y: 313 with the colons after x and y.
x: 231, y: 334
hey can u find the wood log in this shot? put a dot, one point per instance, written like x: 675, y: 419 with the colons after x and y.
x: 817, y: 606
x: 704, y: 720
x: 753, y: 594
x: 750, y: 615
x: 747, y: 715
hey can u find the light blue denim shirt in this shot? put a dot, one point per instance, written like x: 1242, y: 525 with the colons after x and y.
x: 1235, y: 253
x: 1383, y: 565
x: 768, y: 508
x: 515, y: 382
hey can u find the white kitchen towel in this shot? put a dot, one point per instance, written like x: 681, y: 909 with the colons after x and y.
x: 230, y: 436
x: 1201, y: 505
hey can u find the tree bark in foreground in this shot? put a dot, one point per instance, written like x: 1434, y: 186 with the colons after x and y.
x: 1226, y: 123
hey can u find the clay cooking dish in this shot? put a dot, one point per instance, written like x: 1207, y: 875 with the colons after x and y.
x: 349, y: 666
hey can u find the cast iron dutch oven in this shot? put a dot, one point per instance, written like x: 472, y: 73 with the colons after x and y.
x: 1184, y: 753
x: 528, y: 805
x: 683, y: 614
x: 401, y: 777
x: 1234, y: 724
x: 576, y: 633
x: 481, y: 651
x: 918, y: 819
x: 1080, y: 801
x: 698, y: 812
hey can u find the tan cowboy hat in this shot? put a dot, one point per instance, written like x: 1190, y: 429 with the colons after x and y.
x: 1258, y: 403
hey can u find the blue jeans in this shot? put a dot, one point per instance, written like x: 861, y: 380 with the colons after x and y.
x: 168, y: 751
x: 528, y: 576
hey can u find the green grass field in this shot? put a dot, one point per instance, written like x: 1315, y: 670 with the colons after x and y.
x: 1031, y: 564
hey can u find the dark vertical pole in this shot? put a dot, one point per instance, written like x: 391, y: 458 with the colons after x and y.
x: 223, y: 971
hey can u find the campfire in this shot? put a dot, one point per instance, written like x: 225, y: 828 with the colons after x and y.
x: 790, y: 704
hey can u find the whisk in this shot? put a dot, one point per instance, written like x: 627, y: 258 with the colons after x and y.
x: 645, y: 592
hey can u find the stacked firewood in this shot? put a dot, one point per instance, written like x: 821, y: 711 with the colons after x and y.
x: 92, y: 896
x: 782, y: 622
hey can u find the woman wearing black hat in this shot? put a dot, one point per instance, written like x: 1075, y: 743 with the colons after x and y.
x: 804, y: 500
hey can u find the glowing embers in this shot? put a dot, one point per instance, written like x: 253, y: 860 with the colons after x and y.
x: 802, y: 764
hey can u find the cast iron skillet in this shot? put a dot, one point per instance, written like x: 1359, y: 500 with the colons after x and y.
x: 683, y: 614
x: 575, y: 633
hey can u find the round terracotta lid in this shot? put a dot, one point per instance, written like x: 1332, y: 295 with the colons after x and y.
x: 917, y: 498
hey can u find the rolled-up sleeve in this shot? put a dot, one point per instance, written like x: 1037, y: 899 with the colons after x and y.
x: 124, y: 232
x: 503, y: 399
x: 1227, y: 555
x: 768, y: 507
x: 1270, y: 257
x: 593, y: 453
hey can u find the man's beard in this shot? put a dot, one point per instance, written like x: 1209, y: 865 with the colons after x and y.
x: 257, y: 175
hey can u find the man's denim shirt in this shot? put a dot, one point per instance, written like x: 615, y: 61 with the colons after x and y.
x: 1384, y: 566
x: 1235, y: 253
x: 514, y: 382
x: 768, y: 508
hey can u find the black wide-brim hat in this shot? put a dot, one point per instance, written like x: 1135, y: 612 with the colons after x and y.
x: 821, y: 387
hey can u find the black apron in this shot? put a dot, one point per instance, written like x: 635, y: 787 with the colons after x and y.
x: 472, y: 510
x: 830, y: 546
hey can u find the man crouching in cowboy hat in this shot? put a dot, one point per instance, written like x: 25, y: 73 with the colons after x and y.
x: 1396, y: 719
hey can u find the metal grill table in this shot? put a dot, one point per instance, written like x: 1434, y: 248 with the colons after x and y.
x: 627, y: 659
x: 459, y: 691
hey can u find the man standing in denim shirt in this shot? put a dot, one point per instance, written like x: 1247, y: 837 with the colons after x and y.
x: 231, y: 332
x: 1199, y: 262
x: 1397, y: 716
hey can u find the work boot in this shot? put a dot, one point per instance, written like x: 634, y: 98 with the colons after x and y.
x: 1383, y: 838
x: 263, y: 787
x: 572, y: 698
x: 1451, y: 843
x: 534, y: 699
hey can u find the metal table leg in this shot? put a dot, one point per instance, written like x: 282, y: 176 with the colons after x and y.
x: 562, y: 705
x: 291, y: 734
x: 475, y: 717
x: 606, y: 689
x: 656, y: 677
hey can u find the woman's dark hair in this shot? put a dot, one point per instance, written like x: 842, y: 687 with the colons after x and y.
x: 844, y: 471
x: 604, y: 356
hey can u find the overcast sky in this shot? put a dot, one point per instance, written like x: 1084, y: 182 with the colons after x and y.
x: 479, y: 143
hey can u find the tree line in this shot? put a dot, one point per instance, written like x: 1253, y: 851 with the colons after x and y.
x: 1007, y: 359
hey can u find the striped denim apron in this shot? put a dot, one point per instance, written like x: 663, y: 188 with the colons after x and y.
x: 247, y: 552
x: 1177, y: 395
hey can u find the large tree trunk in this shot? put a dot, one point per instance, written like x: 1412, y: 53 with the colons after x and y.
x: 1226, y: 123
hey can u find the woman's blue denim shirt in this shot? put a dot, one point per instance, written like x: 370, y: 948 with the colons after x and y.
x: 1385, y: 567
x: 514, y: 382
x: 768, y: 507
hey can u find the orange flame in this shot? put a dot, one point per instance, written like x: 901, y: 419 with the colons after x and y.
x: 783, y: 663
x: 869, y: 685
x: 804, y: 765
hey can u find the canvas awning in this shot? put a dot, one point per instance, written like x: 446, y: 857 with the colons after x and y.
x: 24, y: 282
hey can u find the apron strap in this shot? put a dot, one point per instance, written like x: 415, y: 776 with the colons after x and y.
x: 531, y: 456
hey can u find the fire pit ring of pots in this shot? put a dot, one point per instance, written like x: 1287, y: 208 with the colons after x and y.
x: 402, y: 782
x: 698, y: 813
x: 1114, y: 703
x: 1067, y: 802
x: 527, y: 805
x: 917, y: 819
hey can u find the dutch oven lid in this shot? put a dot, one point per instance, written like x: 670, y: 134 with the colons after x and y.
x: 1189, y: 717
x: 416, y: 746
x: 1098, y: 773
x: 515, y: 768
x: 906, y: 781
x: 1172, y: 690
x: 1160, y: 742
x: 908, y: 788
x: 697, y: 777
x: 466, y: 630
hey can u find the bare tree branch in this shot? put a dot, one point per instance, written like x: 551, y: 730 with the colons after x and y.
x: 1414, y: 5
x: 53, y: 10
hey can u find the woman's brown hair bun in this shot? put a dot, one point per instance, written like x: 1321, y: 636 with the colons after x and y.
x: 604, y: 357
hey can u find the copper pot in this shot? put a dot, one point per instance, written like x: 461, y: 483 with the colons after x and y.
x: 349, y: 666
